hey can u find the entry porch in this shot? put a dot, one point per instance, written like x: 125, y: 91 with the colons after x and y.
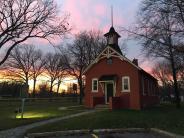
x: 111, y: 98
x: 121, y: 102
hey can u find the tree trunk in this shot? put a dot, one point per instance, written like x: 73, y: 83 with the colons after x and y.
x: 80, y: 90
x: 172, y: 60
x: 51, y: 86
x: 27, y: 80
x: 34, y: 88
x: 59, y: 83
x: 177, y: 93
x: 27, y: 86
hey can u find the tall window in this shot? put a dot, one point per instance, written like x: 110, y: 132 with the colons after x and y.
x: 95, y: 85
x: 126, y: 84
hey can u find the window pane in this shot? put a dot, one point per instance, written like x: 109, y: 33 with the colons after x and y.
x: 95, y: 82
x: 109, y: 61
x: 125, y: 87
x: 95, y: 85
x: 125, y: 81
x: 126, y: 84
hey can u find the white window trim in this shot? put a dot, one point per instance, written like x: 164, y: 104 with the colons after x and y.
x: 125, y: 77
x: 94, y: 79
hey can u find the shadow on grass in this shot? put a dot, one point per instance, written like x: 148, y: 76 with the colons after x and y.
x: 165, y: 117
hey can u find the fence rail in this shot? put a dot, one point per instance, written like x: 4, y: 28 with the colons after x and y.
x: 39, y: 101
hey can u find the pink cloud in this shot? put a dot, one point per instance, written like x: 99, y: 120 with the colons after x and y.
x: 119, y: 21
x: 85, y: 15
x: 147, y: 69
x: 106, y: 27
x: 100, y: 10
x: 75, y: 16
x: 146, y: 66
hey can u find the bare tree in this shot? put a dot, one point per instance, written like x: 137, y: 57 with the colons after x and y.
x: 19, y: 63
x: 54, y: 67
x: 178, y: 13
x: 163, y: 73
x: 23, y: 19
x: 156, y: 30
x: 62, y: 70
x: 37, y: 67
x: 84, y: 49
x: 180, y: 68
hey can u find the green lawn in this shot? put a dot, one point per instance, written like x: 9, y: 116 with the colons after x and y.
x: 34, y: 111
x: 165, y: 117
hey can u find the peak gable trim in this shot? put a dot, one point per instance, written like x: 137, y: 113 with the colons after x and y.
x: 107, y: 53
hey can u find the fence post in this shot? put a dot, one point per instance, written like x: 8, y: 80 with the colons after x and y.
x: 22, y: 108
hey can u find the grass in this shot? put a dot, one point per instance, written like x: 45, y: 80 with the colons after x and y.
x: 34, y: 111
x: 165, y: 117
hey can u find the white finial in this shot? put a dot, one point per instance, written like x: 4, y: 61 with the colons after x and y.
x: 112, y: 15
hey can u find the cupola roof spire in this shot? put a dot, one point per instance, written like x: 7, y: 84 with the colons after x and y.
x: 112, y: 15
x: 112, y: 36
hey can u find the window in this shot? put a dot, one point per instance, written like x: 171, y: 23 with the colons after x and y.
x: 126, y: 84
x: 109, y: 61
x: 94, y: 85
x: 111, y: 40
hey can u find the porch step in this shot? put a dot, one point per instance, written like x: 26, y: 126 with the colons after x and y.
x: 102, y: 106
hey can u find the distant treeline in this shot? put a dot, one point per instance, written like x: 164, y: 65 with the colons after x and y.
x: 17, y: 90
x: 12, y: 89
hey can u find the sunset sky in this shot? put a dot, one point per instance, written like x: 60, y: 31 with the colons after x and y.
x: 96, y: 15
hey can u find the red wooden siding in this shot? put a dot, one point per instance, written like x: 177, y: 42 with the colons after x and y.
x: 120, y: 68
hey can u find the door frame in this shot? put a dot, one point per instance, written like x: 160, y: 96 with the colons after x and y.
x: 110, y: 82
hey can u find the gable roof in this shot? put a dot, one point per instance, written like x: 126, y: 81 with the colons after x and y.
x: 110, y: 52
x: 114, y: 53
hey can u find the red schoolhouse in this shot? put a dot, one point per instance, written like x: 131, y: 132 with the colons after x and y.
x: 114, y: 80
